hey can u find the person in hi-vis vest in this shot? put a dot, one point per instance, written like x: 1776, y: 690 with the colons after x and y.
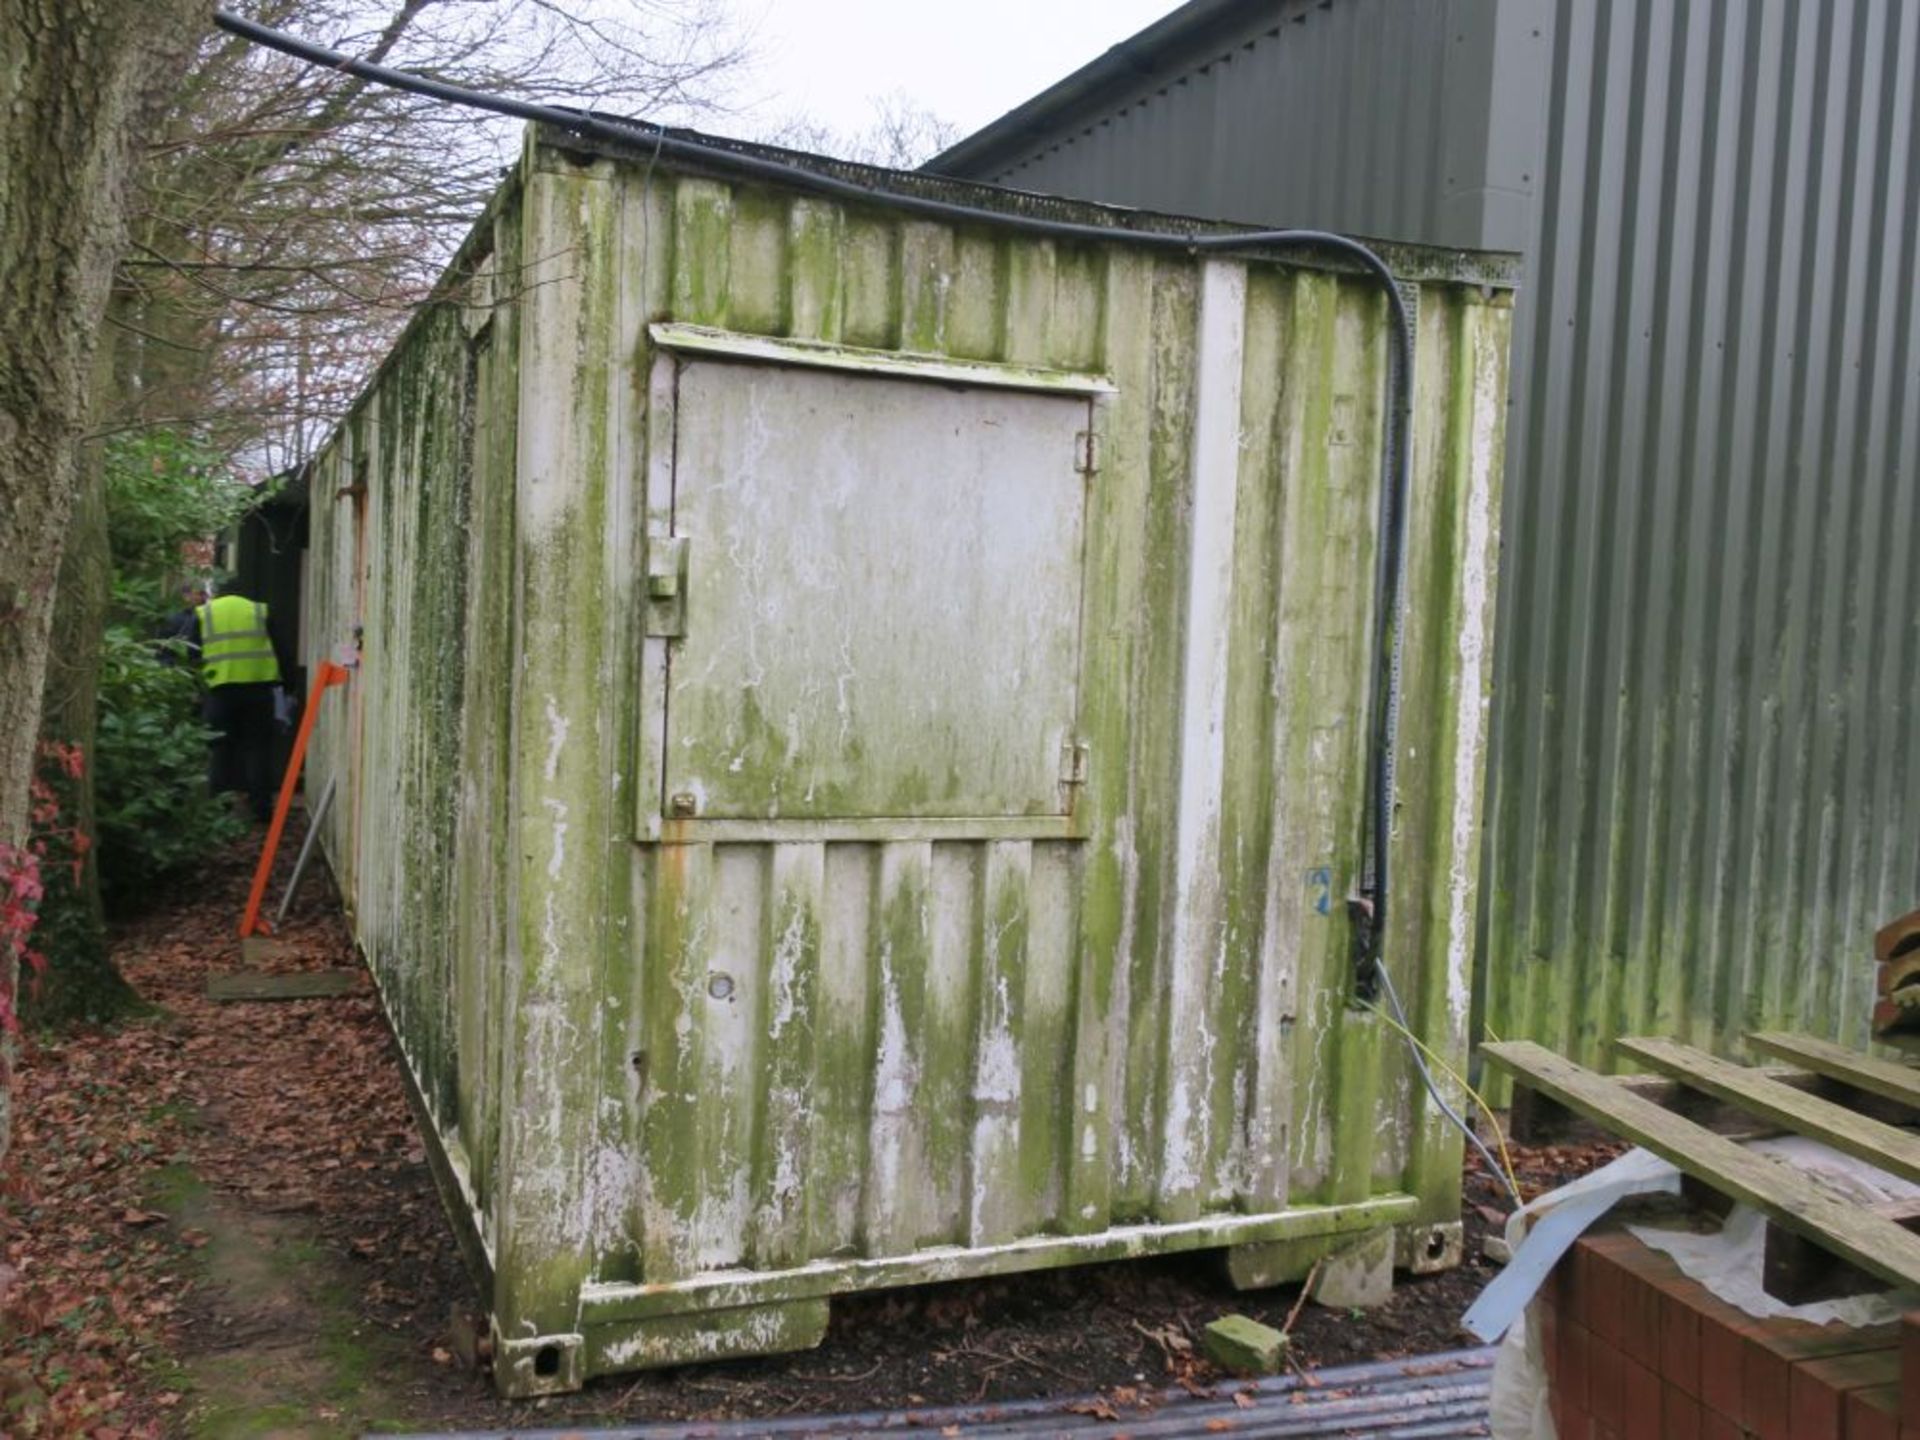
x: 241, y: 661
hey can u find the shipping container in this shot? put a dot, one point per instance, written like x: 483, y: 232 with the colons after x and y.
x: 859, y: 743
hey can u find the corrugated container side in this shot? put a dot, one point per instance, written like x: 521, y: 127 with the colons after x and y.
x: 694, y: 1081
x: 839, y: 1097
x: 1704, y: 778
x: 412, y: 534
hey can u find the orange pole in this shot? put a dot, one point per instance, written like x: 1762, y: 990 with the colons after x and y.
x: 329, y: 674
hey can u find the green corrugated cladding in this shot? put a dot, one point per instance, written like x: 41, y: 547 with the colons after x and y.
x: 940, y: 1049
x: 1705, y: 789
x: 1702, y: 778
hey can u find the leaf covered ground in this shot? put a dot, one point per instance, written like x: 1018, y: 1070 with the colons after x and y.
x: 217, y: 1219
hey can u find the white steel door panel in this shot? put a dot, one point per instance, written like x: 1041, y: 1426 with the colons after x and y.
x: 883, y: 582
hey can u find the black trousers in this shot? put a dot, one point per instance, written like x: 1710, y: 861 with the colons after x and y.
x: 241, y: 754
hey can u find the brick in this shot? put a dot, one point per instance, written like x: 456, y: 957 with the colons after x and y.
x: 1775, y: 1348
x: 1616, y: 1244
x: 1570, y: 1382
x: 1910, y: 1365
x: 1640, y: 1320
x: 1606, y: 1282
x: 1679, y: 1413
x: 1816, y: 1412
x: 1574, y: 1281
x: 1873, y: 1413
x: 1566, y: 1280
x: 1798, y: 1340
x: 1606, y: 1383
x: 1722, y: 1358
x: 1640, y: 1400
x: 1767, y: 1391
x: 1679, y: 1342
x: 1244, y: 1346
x: 1819, y: 1390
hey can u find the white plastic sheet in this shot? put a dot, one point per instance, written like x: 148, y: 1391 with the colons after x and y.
x: 1727, y: 1262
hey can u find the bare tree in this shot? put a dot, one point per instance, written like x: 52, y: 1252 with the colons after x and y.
x: 902, y: 134
x: 286, y: 222
x: 293, y: 217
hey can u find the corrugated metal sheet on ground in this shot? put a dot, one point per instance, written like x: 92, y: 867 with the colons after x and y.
x: 1420, y: 1398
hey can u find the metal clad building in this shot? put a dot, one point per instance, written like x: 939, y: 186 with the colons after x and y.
x: 1702, y: 789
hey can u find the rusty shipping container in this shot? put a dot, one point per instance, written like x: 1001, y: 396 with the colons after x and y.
x: 860, y: 745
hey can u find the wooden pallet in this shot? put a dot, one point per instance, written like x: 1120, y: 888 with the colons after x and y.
x: 1692, y: 1110
x: 302, y: 985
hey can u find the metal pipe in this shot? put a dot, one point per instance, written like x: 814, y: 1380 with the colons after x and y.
x: 306, y: 849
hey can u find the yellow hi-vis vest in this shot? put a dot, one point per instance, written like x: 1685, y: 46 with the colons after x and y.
x: 234, y: 648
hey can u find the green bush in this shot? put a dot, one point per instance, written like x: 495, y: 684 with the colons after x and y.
x: 163, y: 489
x: 154, y: 819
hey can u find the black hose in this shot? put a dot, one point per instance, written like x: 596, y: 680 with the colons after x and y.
x: 1367, y: 904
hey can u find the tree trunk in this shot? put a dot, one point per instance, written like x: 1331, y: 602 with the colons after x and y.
x: 80, y: 982
x: 80, y: 80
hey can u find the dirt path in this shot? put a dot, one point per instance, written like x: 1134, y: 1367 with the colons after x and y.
x: 221, y: 1223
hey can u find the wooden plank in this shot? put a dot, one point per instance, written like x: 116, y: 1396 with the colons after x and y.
x: 1887, y: 1146
x: 1535, y: 1119
x: 1796, y: 1201
x: 1885, y: 1078
x: 311, y: 985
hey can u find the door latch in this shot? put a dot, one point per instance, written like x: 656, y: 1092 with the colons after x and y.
x: 666, y: 580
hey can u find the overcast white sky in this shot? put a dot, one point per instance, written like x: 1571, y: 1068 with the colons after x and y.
x: 969, y: 61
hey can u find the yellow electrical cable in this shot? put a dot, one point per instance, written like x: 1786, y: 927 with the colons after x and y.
x: 1499, y: 1134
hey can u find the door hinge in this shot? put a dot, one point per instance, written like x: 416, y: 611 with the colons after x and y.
x: 1073, y: 763
x: 1086, y: 452
x: 666, y: 580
